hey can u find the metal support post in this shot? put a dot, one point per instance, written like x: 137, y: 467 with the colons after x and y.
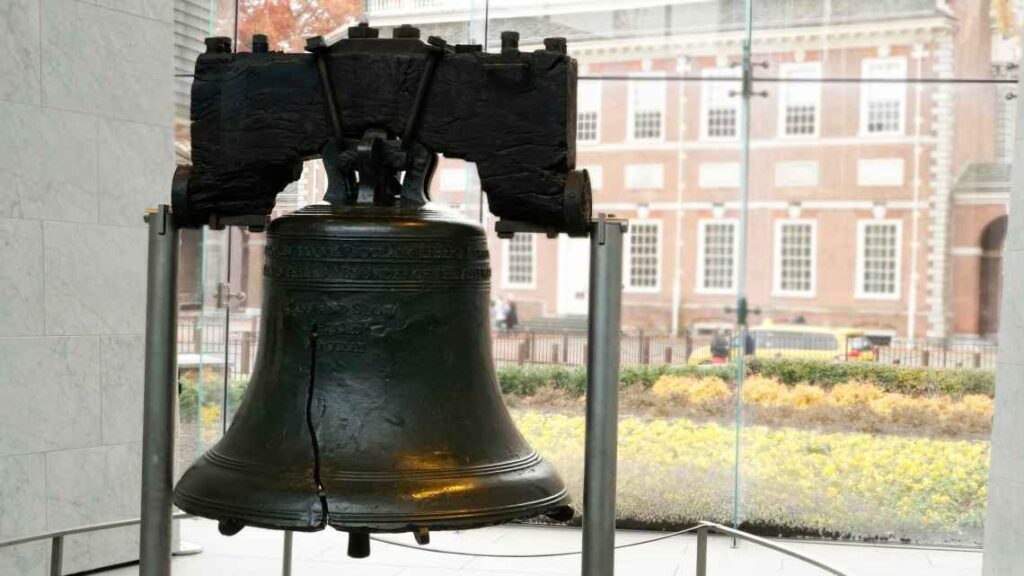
x: 286, y: 557
x: 702, y: 551
x: 57, y: 556
x: 161, y: 395
x: 603, y: 335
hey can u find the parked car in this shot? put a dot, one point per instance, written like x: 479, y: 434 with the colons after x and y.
x: 771, y: 340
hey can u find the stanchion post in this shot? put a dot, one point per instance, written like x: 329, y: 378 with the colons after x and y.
x: 161, y: 395
x: 604, y: 328
x: 286, y: 557
x: 702, y: 551
x: 57, y: 556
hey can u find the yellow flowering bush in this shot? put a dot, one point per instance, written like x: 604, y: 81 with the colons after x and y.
x: 210, y: 415
x: 764, y: 391
x: 672, y: 387
x: 854, y: 394
x: 979, y: 404
x: 692, y: 390
x: 805, y: 396
x: 674, y: 471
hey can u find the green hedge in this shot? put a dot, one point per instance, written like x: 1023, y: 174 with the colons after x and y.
x: 213, y: 391
x: 902, y: 379
x: 526, y: 380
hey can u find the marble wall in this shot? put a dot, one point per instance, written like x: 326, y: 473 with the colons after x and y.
x: 1004, y: 525
x: 86, y: 143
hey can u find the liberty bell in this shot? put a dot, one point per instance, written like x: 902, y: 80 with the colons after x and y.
x: 374, y: 405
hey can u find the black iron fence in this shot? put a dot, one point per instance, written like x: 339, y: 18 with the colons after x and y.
x: 655, y: 349
x: 203, y: 341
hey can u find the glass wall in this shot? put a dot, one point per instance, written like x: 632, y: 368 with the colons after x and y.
x: 865, y: 239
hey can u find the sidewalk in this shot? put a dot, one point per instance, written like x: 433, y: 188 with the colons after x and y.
x: 258, y: 553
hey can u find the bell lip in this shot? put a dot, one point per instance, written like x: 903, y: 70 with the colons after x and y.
x: 285, y: 520
x: 525, y: 462
x: 309, y: 512
x: 477, y: 519
x: 439, y: 521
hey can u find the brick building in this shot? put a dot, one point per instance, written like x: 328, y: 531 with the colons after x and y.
x: 875, y: 204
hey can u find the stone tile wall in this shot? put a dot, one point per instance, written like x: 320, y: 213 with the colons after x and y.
x: 86, y: 144
x: 1004, y: 525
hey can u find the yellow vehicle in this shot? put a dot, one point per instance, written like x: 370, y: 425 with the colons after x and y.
x: 771, y: 340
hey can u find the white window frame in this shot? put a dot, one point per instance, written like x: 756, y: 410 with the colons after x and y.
x: 859, y: 277
x: 777, y: 289
x: 866, y: 87
x: 599, y: 88
x: 705, y: 101
x: 799, y: 70
x: 507, y: 263
x: 628, y: 264
x: 631, y: 105
x: 702, y: 227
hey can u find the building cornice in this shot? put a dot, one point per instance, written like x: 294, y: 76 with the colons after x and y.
x: 873, y: 34
x: 868, y: 206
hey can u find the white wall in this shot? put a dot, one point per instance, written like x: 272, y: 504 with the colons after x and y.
x: 86, y: 143
x: 1004, y: 524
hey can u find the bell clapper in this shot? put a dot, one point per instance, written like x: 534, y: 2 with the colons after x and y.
x: 422, y: 535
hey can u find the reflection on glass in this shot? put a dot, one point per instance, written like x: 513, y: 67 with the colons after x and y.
x: 877, y: 216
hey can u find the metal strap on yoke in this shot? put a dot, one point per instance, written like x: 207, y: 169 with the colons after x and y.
x: 436, y: 48
x: 318, y: 47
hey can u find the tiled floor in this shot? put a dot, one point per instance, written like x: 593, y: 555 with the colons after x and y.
x: 258, y: 553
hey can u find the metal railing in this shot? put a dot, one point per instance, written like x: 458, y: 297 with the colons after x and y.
x: 56, y: 539
x: 702, y: 548
x: 703, y: 529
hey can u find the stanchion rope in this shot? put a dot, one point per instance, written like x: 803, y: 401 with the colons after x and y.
x: 548, y: 555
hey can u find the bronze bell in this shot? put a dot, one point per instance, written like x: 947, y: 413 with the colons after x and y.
x: 374, y: 405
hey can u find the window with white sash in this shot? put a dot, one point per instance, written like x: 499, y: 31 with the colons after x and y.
x: 643, y: 252
x: 794, y: 269
x: 520, y: 261
x: 882, y: 106
x: 800, y: 100
x: 716, y: 256
x: 588, y: 111
x: 720, y: 112
x: 878, y: 259
x: 647, y: 107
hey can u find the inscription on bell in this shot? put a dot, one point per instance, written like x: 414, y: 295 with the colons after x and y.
x: 373, y: 272
x: 288, y: 248
x: 341, y: 309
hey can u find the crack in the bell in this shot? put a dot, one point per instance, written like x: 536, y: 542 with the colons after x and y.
x: 312, y: 428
